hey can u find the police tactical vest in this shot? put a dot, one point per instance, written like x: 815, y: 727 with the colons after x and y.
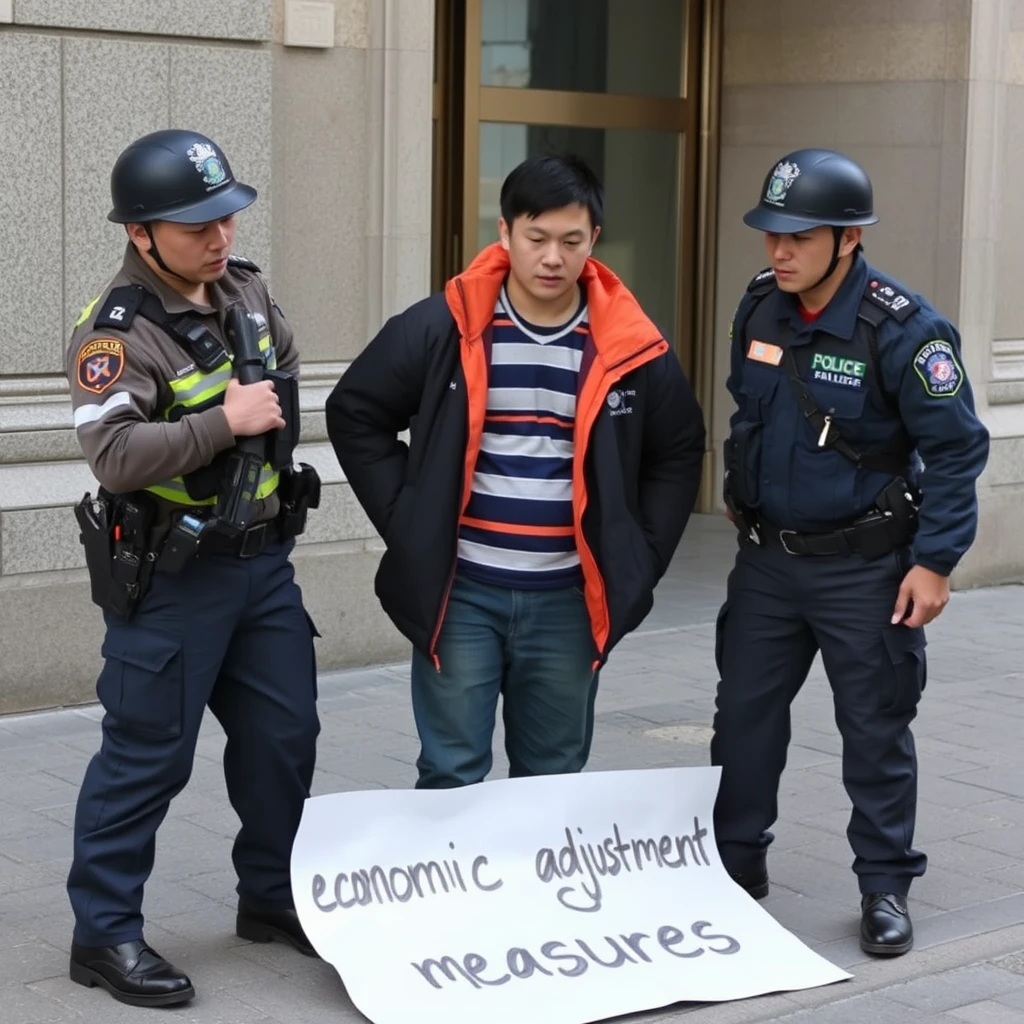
x: 201, y: 389
x: 840, y: 380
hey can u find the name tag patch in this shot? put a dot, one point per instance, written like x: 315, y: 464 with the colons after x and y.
x: 763, y: 352
x: 848, y: 373
x: 937, y: 366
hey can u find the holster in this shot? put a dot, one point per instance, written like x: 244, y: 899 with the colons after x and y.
x: 299, y: 491
x: 742, y: 457
x: 115, y: 531
x: 893, y: 521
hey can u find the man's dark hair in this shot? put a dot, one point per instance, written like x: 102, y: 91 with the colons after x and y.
x: 551, y: 182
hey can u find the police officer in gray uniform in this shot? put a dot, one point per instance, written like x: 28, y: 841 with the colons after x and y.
x: 850, y: 473
x: 183, y: 383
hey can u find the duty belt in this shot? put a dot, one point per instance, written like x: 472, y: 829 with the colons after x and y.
x: 872, y: 536
x: 246, y: 544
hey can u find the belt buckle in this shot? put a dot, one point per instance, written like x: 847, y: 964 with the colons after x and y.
x: 252, y: 541
x: 783, y: 534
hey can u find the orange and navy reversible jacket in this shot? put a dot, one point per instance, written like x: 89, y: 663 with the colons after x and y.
x: 635, y: 477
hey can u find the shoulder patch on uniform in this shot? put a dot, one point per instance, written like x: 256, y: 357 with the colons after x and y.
x: 119, y: 310
x: 763, y: 282
x: 241, y: 263
x: 937, y: 366
x: 890, y: 298
x: 100, y: 364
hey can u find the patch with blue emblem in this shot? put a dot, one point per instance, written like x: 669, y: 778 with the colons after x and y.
x: 937, y: 366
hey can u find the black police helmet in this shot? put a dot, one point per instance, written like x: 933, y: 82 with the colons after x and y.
x: 178, y: 176
x: 811, y: 188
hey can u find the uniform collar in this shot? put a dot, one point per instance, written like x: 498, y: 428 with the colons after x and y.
x: 839, y: 317
x: 138, y: 272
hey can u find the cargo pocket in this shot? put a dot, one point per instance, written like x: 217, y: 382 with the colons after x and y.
x: 905, y: 648
x: 142, y: 683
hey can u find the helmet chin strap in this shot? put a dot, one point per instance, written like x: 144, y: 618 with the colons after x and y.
x: 837, y: 241
x: 159, y: 260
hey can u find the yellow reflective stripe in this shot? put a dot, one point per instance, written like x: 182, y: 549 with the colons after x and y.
x: 265, y: 344
x: 181, y: 385
x: 268, y: 481
x: 174, y: 490
x: 84, y: 315
x: 198, y: 387
x: 217, y: 388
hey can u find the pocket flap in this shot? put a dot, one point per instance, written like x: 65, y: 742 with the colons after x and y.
x: 902, y: 641
x: 843, y: 403
x: 144, y: 648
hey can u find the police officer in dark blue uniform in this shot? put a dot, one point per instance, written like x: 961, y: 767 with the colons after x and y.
x: 183, y: 385
x: 850, y: 473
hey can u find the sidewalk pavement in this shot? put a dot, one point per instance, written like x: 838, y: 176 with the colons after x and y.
x: 654, y: 710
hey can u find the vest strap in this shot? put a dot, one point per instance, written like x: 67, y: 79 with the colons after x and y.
x: 828, y: 433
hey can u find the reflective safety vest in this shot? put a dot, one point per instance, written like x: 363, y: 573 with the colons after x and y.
x: 197, y: 392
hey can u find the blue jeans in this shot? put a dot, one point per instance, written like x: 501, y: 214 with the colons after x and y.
x: 535, y: 648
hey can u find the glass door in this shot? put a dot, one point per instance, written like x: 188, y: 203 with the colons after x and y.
x: 614, y: 81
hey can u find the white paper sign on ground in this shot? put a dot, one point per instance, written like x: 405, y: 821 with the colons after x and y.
x: 556, y: 900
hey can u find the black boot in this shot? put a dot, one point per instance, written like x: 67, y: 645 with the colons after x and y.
x: 754, y: 880
x: 132, y: 973
x: 280, y: 925
x: 885, y: 925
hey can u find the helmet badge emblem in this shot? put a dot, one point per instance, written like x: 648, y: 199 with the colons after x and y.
x: 782, y: 178
x: 208, y: 164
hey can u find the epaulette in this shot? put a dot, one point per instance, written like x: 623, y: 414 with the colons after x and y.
x: 889, y: 297
x: 119, y: 310
x: 241, y: 263
x: 762, y: 283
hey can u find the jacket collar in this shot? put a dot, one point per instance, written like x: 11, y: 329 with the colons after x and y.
x: 839, y: 317
x: 618, y: 326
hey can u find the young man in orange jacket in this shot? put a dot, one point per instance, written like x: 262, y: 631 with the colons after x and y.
x: 554, y: 459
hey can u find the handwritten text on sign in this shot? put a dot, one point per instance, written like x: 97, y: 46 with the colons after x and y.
x: 438, y: 906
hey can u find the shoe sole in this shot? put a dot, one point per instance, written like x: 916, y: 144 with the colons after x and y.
x: 255, y: 931
x: 759, y: 892
x: 883, y: 949
x: 86, y: 976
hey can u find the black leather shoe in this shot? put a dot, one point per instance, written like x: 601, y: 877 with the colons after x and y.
x: 755, y: 881
x: 885, y: 925
x: 132, y: 973
x: 278, y: 925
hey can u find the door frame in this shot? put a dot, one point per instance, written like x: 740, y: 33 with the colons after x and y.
x: 461, y: 103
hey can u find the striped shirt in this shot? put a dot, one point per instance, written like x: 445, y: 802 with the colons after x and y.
x: 517, y: 530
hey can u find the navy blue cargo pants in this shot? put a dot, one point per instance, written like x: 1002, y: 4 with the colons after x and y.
x: 780, y: 611
x: 230, y: 634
